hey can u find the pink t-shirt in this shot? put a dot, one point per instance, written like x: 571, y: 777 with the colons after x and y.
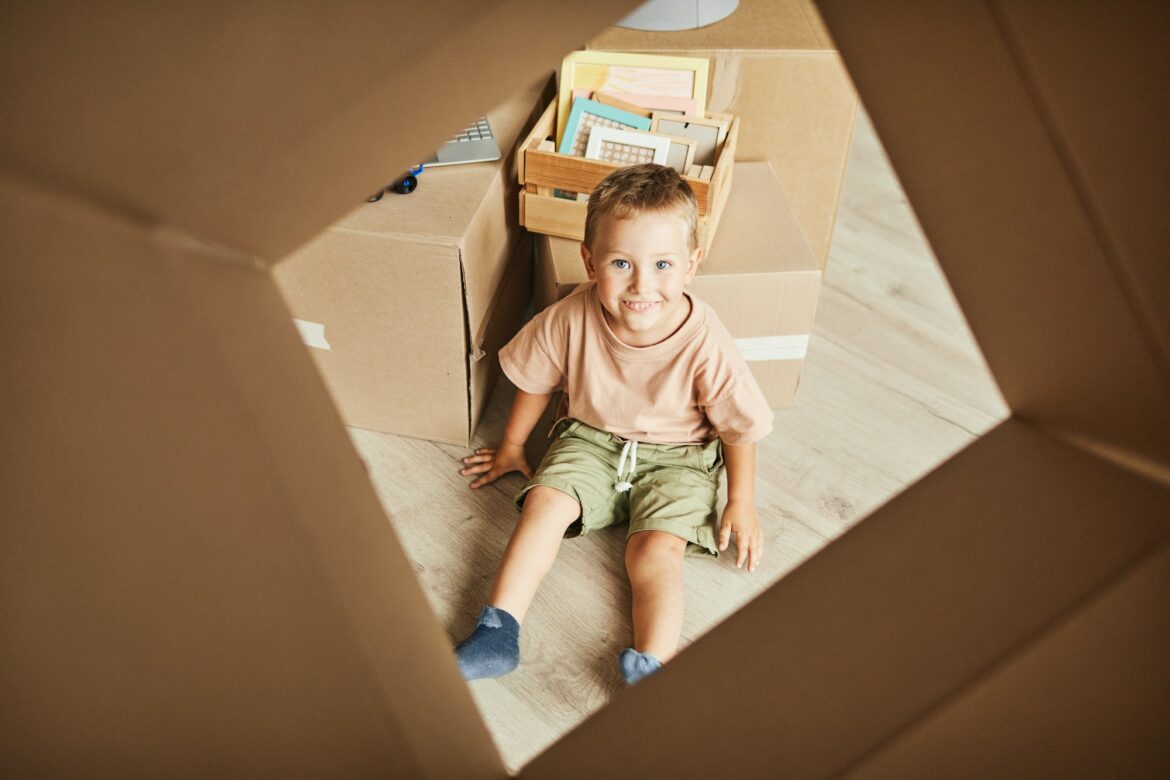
x: 688, y: 389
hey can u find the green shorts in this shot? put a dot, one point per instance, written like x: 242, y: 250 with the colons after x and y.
x: 674, y: 487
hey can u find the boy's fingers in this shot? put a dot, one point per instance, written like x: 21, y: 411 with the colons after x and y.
x: 478, y: 458
x: 486, y: 478
x: 741, y: 554
x: 477, y: 468
x: 724, y: 536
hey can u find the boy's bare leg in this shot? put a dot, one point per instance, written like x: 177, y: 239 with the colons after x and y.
x: 654, y: 562
x: 493, y: 648
x: 532, y: 548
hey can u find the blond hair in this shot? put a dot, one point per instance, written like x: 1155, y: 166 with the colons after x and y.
x: 638, y: 189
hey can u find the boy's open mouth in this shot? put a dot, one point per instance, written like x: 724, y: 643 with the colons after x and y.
x: 639, y: 305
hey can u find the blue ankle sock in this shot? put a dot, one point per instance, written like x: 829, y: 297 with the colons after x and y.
x: 493, y: 648
x: 637, y: 665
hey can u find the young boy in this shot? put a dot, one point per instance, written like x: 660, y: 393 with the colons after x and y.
x: 658, y: 399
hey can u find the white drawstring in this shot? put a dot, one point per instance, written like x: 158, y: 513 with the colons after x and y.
x: 631, y: 448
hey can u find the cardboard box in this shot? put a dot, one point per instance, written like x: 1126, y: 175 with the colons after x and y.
x: 420, y: 291
x: 774, y: 66
x: 761, y: 278
x: 542, y: 171
x: 197, y: 574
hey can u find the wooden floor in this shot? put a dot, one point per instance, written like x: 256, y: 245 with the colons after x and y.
x: 893, y: 386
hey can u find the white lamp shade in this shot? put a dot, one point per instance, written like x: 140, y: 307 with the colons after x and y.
x: 662, y: 15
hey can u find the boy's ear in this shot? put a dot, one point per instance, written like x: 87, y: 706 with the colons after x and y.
x: 587, y: 257
x: 693, y: 263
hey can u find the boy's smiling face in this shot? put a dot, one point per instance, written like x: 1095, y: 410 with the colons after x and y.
x: 641, y: 264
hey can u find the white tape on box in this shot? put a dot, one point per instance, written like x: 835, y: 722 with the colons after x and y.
x: 313, y: 334
x: 774, y: 347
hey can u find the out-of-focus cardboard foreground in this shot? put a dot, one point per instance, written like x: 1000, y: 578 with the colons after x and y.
x: 197, y: 578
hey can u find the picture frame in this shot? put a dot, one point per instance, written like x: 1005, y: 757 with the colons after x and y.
x: 627, y: 147
x: 681, y: 154
x: 642, y: 104
x: 587, y: 114
x: 708, y: 133
x: 617, y: 102
x: 626, y: 75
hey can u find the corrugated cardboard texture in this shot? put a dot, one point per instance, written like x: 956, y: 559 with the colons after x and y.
x: 980, y: 559
x: 773, y: 66
x: 402, y: 287
x: 505, y: 316
x: 1087, y: 700
x: 1028, y: 234
x: 197, y: 575
x: 197, y: 578
x: 1109, y: 128
x: 253, y: 126
x: 393, y: 315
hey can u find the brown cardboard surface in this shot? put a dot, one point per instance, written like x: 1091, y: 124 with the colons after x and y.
x: 761, y: 276
x: 401, y: 287
x: 970, y: 564
x: 1109, y: 128
x: 504, y: 319
x: 393, y: 315
x: 198, y: 577
x: 1087, y: 699
x: 1020, y: 224
x: 773, y: 65
x: 253, y: 127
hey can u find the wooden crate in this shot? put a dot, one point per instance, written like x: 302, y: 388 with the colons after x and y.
x: 541, y: 170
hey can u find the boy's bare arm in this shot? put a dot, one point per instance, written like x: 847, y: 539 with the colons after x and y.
x: 740, y: 515
x: 491, y: 464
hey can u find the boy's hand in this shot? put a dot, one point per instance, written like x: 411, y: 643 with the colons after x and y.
x: 741, y: 518
x: 493, y: 464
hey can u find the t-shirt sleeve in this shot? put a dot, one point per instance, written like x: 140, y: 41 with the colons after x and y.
x: 534, y: 360
x: 729, y: 394
x: 741, y: 415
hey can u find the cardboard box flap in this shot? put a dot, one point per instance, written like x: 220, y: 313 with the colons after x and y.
x: 741, y: 246
x: 193, y: 557
x: 253, y: 128
x: 448, y: 198
x: 470, y: 208
x: 1087, y: 699
x: 1111, y: 129
x: 1014, y: 222
x: 503, y: 320
x: 890, y: 619
x: 786, y: 24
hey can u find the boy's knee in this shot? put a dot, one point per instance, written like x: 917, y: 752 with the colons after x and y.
x: 654, y: 549
x: 551, y: 502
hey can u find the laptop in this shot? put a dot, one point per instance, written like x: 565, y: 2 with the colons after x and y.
x: 474, y: 143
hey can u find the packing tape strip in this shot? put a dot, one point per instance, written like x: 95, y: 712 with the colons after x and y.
x: 312, y: 333
x: 774, y: 347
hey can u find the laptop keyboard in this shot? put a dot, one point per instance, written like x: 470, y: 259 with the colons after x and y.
x: 476, y: 131
x: 474, y: 143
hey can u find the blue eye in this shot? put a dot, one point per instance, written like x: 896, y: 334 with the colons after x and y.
x: 662, y: 265
x: 622, y: 264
